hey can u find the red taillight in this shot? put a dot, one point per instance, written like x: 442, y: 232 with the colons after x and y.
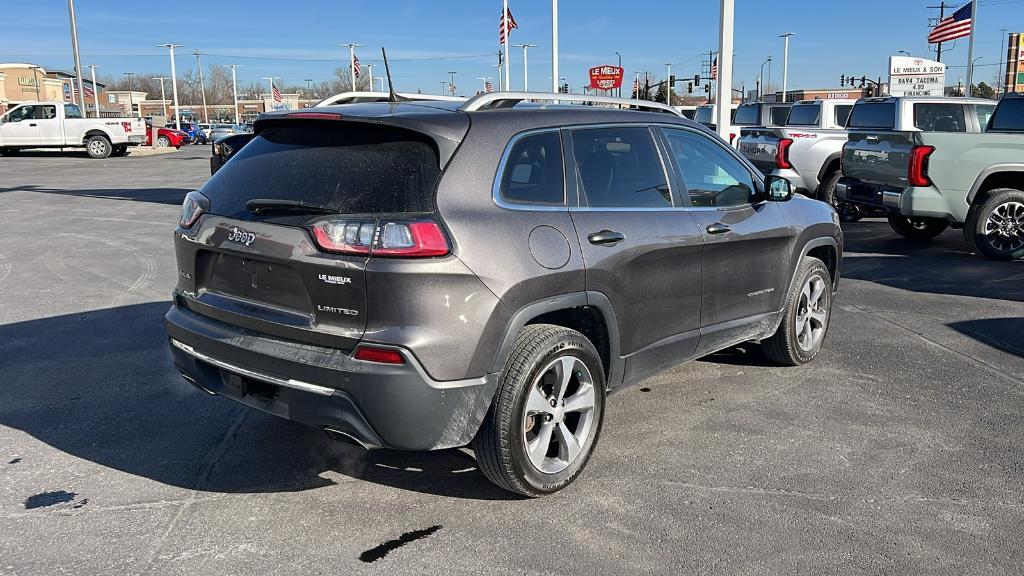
x: 918, y: 172
x: 395, y: 238
x: 378, y: 355
x: 782, y: 154
x: 732, y: 138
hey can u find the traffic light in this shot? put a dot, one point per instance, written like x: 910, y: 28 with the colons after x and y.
x: 842, y: 80
x: 696, y: 79
x: 672, y: 80
x: 707, y: 88
x: 689, y: 87
x: 863, y: 81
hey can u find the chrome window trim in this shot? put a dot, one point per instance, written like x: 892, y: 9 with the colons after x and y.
x: 496, y: 187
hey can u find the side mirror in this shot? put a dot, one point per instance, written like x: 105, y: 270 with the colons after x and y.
x: 779, y: 189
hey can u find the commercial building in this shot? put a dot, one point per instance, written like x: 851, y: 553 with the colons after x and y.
x: 20, y: 82
x: 1014, y: 80
x: 821, y: 94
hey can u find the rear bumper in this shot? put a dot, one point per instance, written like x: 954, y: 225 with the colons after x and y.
x: 925, y: 202
x: 378, y: 405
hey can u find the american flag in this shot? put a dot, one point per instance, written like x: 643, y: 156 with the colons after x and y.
x: 276, y: 92
x: 506, y: 28
x: 488, y: 87
x: 355, y: 65
x: 636, y: 87
x: 88, y: 91
x: 714, y: 69
x: 952, y: 27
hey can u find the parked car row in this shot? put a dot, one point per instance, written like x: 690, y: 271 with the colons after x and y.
x: 925, y: 163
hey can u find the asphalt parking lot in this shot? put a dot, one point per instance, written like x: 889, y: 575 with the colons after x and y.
x: 899, y: 451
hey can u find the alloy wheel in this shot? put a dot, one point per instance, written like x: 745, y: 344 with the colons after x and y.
x: 1004, y: 227
x: 559, y: 415
x: 97, y: 147
x: 812, y: 313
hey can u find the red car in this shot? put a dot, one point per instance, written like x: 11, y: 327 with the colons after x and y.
x: 166, y: 137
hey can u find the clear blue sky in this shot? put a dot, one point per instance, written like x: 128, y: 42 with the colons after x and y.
x: 833, y: 38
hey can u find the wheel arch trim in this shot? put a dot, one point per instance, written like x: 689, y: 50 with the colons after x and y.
x: 1014, y: 167
x: 565, y: 302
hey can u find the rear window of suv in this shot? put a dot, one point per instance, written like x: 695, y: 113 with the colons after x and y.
x: 1008, y: 116
x: 873, y: 115
x: 748, y: 115
x: 347, y: 167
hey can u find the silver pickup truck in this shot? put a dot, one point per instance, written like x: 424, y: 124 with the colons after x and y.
x: 806, y: 150
x: 931, y: 165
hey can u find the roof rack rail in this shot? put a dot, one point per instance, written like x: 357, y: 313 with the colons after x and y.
x: 510, y: 99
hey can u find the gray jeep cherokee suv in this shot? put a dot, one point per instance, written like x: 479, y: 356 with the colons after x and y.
x: 430, y: 275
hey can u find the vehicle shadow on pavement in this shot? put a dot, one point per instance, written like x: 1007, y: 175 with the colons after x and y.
x: 1000, y: 333
x: 173, y: 196
x: 944, y: 265
x: 100, y: 386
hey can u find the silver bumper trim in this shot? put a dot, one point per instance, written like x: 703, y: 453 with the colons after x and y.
x: 294, y: 384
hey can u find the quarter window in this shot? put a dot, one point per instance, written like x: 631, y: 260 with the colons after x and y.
x: 779, y: 115
x: 533, y: 171
x: 72, y: 111
x: 713, y: 176
x: 936, y: 117
x: 620, y: 168
x: 804, y: 115
x: 984, y: 112
x: 843, y: 114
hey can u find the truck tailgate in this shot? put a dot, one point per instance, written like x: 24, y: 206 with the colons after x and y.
x: 760, y: 145
x: 879, y: 158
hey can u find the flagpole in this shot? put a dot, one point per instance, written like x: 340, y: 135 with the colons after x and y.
x: 554, y: 46
x: 970, y: 48
x: 504, y: 24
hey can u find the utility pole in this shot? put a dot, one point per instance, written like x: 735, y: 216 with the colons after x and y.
x: 725, y: 48
x: 554, y: 45
x: 785, y: 63
x: 95, y: 91
x: 234, y: 90
x: 202, y: 86
x: 174, y: 83
x: 131, y: 104
x: 942, y: 14
x: 970, y: 48
x: 526, y: 67
x: 74, y: 50
x: 163, y: 98
x: 309, y: 89
x: 352, y: 62
x: 1001, y: 78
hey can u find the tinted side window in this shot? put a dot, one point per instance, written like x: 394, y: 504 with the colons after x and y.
x: 704, y: 115
x: 712, y: 175
x: 804, y: 115
x: 843, y: 114
x: 71, y: 111
x: 533, y: 172
x: 1009, y: 115
x: 19, y: 114
x: 49, y: 112
x: 936, y: 117
x: 873, y: 115
x: 620, y: 168
x: 779, y: 115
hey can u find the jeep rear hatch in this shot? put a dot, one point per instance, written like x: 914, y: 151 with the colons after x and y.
x: 295, y: 216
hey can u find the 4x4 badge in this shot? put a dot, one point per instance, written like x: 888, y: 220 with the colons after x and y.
x: 241, y: 236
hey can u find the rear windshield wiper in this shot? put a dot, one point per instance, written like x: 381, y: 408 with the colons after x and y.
x: 262, y: 206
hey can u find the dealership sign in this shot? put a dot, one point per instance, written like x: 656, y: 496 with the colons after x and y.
x: 916, y: 77
x: 606, y: 77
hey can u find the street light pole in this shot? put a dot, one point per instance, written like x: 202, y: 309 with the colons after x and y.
x: 131, y: 103
x: 271, y: 93
x: 762, y: 86
x: 785, y: 64
x: 970, y: 49
x: 620, y: 68
x: 95, y: 91
x: 668, y: 85
x: 74, y: 50
x: 554, y: 46
x: 526, y: 67
x: 369, y: 68
x: 234, y: 90
x: 163, y: 98
x: 202, y: 86
x: 174, y: 83
x: 505, y: 33
x: 451, y: 82
x: 444, y: 87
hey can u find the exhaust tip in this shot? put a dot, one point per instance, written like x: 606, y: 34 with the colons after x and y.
x: 344, y: 437
x: 193, y: 382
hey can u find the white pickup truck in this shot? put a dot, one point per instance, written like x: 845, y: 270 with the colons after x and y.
x: 806, y: 150
x: 60, y: 125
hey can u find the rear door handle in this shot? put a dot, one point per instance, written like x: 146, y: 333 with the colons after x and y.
x: 606, y: 237
x: 33, y: 124
x: 719, y: 228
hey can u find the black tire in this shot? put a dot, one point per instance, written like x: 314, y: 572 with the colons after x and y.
x: 985, y: 238
x: 121, y: 150
x: 98, y: 147
x: 914, y: 228
x: 827, y: 194
x: 163, y: 142
x: 9, y: 151
x: 501, y: 444
x: 785, y: 346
